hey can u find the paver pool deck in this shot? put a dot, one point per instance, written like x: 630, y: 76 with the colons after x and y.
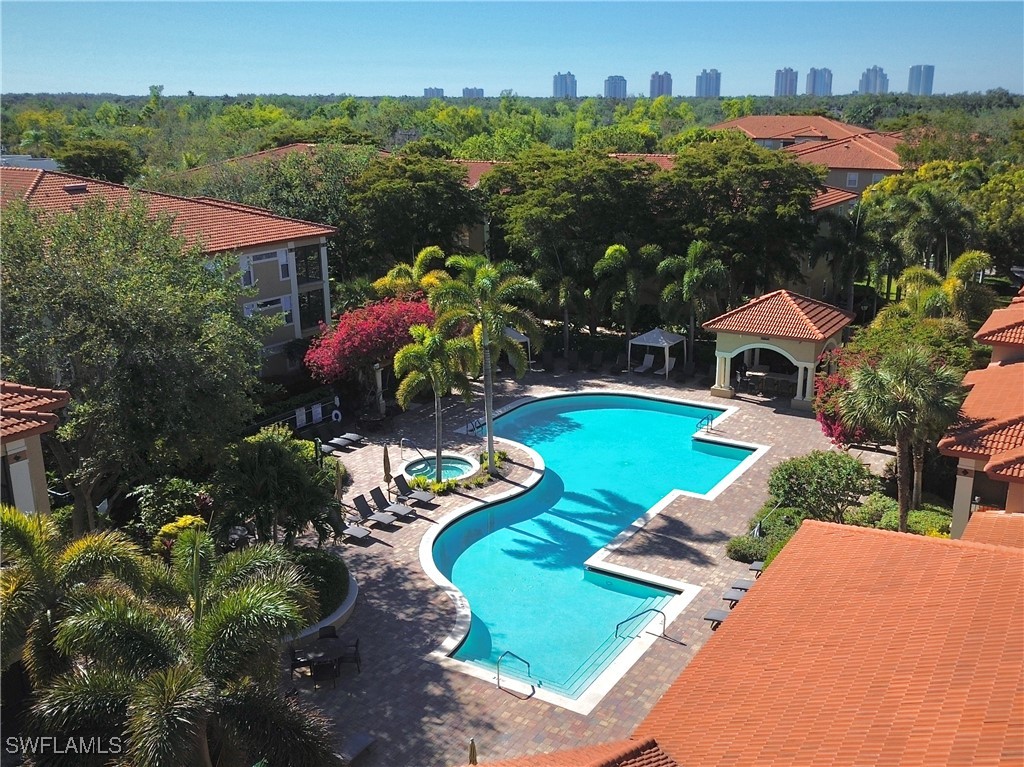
x: 424, y: 715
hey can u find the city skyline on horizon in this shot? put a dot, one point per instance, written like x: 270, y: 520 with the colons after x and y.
x: 400, y: 48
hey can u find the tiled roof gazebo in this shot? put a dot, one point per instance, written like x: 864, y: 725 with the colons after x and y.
x: 797, y: 327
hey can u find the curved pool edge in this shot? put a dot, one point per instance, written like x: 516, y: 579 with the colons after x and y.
x: 473, y: 464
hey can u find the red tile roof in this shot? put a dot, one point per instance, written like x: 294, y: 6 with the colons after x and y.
x: 1004, y: 327
x: 866, y: 151
x: 996, y: 528
x: 831, y: 197
x: 783, y: 314
x: 766, y: 127
x: 219, y: 226
x: 622, y: 753
x: 476, y: 169
x: 990, y: 425
x: 29, y: 410
x: 663, y: 161
x: 859, y: 647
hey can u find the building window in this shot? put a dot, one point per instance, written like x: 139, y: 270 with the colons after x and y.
x: 876, y: 177
x: 247, y: 278
x: 311, y: 309
x: 307, y: 264
x: 263, y: 257
x: 282, y: 305
x: 851, y: 180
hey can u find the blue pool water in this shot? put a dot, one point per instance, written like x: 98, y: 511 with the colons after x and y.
x: 452, y: 467
x: 608, y: 458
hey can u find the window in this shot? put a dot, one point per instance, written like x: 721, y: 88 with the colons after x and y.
x: 852, y: 180
x: 282, y: 304
x: 311, y: 309
x: 876, y: 177
x: 263, y: 257
x: 307, y: 264
x: 247, y: 278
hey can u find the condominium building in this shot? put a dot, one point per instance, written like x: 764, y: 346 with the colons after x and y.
x: 472, y: 93
x: 874, y: 80
x: 921, y: 77
x: 661, y: 84
x: 433, y: 93
x: 709, y: 84
x: 615, y: 87
x: 564, y: 86
x: 819, y: 82
x: 785, y: 82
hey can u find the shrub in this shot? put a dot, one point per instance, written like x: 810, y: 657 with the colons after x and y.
x: 167, y: 500
x: 822, y: 484
x: 746, y: 548
x: 870, y: 513
x: 930, y: 520
x: 164, y: 540
x: 500, y: 456
x: 778, y: 524
x: 62, y: 517
x: 327, y: 575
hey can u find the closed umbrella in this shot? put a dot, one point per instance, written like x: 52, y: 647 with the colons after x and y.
x: 387, y: 467
x: 339, y: 481
x: 472, y: 751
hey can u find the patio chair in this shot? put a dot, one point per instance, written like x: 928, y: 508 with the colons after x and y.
x: 384, y: 506
x: 620, y: 364
x: 665, y: 369
x: 366, y: 514
x: 596, y: 362
x: 646, y: 365
x: 325, y: 670
x: 298, y: 660
x: 351, y: 655
x: 406, y: 494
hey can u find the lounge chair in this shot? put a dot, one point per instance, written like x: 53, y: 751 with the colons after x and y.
x: 596, y: 362
x: 646, y: 365
x: 406, y: 494
x: 756, y: 568
x: 353, y: 746
x: 547, y: 358
x: 572, y: 363
x: 343, y: 528
x: 743, y: 584
x: 665, y: 369
x: 366, y: 514
x: 384, y: 506
x: 715, y: 618
x: 732, y: 596
x: 620, y: 365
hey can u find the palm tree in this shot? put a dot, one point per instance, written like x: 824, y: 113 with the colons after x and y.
x: 906, y: 397
x: 693, y: 281
x: 440, y: 363
x: 188, y: 673
x: 968, y: 298
x: 41, y: 578
x: 404, y: 279
x: 937, y: 222
x: 849, y: 244
x: 621, y: 275
x: 484, y: 299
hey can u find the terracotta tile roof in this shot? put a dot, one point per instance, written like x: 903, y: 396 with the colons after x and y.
x: 832, y: 196
x: 220, y: 226
x: 996, y: 528
x: 866, y: 151
x: 783, y: 314
x: 476, y: 169
x: 859, y: 647
x: 29, y: 410
x: 622, y: 753
x: 275, y: 153
x: 1004, y: 327
x: 663, y: 161
x: 991, y: 421
x: 765, y: 127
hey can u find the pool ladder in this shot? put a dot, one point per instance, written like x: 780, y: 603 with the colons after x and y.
x: 706, y: 422
x: 664, y: 624
x: 522, y: 660
x: 405, y: 441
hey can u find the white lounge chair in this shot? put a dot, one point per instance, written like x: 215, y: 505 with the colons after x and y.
x: 665, y: 369
x: 646, y: 365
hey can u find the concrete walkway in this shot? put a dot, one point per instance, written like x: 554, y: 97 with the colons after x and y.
x: 424, y: 715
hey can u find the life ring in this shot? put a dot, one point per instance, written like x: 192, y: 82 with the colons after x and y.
x: 336, y: 415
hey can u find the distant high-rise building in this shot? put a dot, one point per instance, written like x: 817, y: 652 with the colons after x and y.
x: 785, y: 82
x: 874, y: 80
x: 819, y: 82
x: 615, y: 87
x: 661, y: 84
x: 565, y: 86
x: 921, y: 77
x: 433, y: 93
x: 709, y: 84
x: 472, y: 93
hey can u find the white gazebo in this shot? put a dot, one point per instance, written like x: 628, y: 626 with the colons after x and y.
x: 660, y: 338
x: 518, y: 337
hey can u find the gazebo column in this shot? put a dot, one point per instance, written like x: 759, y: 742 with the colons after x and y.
x: 804, y: 387
x: 723, y: 376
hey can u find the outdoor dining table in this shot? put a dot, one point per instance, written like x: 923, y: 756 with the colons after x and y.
x: 326, y: 649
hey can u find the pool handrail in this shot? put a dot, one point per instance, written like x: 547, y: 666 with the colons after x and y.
x: 518, y: 658
x: 406, y: 441
x: 664, y: 620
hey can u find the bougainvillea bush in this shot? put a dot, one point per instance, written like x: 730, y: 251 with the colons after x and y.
x: 363, y: 337
x: 828, y: 388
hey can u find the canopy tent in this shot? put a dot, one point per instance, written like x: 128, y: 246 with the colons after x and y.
x: 518, y: 337
x: 658, y: 337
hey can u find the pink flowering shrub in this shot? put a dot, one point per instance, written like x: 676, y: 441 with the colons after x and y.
x: 828, y: 389
x: 359, y: 338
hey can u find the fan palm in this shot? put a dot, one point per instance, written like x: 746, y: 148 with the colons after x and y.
x: 621, y: 274
x: 438, y: 362
x: 908, y: 398
x: 484, y: 299
x: 188, y: 674
x: 693, y: 281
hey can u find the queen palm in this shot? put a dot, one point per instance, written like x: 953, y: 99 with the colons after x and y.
x: 907, y: 397
x: 404, y: 279
x: 692, y: 281
x: 432, y: 360
x: 621, y: 274
x: 187, y: 673
x: 484, y: 299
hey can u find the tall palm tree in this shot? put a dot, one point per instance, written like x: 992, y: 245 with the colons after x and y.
x: 621, y: 275
x: 40, y: 580
x: 188, y: 673
x: 938, y: 226
x: 484, y: 299
x: 906, y: 397
x: 440, y: 363
x: 849, y: 243
x: 694, y: 281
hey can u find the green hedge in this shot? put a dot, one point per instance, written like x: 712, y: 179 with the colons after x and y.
x: 328, y: 576
x: 873, y: 510
x: 777, y: 526
x: 925, y: 521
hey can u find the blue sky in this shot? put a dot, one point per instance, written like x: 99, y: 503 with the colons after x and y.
x: 399, y: 48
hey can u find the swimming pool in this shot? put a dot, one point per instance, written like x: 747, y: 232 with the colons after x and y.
x: 520, y: 563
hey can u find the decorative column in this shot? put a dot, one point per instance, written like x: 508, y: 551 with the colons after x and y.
x: 962, y: 496
x: 723, y: 376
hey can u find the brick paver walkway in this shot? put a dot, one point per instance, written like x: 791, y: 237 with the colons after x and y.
x: 424, y: 715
